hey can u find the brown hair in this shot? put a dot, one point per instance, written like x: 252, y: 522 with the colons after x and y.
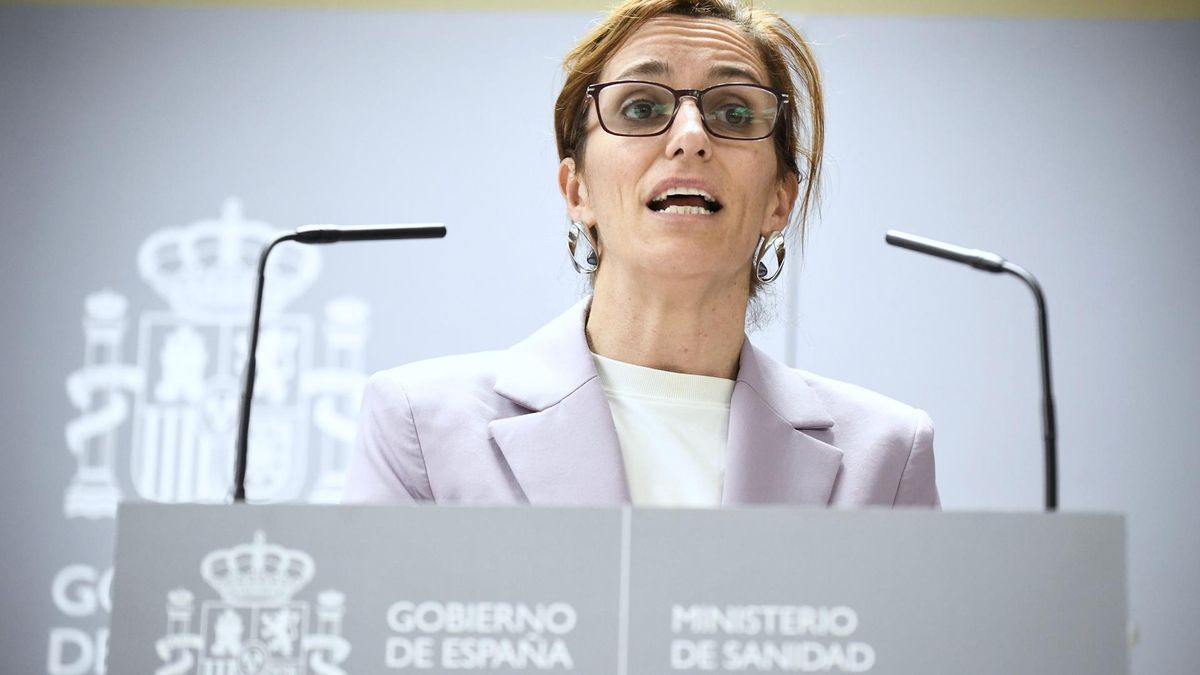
x: 799, y: 142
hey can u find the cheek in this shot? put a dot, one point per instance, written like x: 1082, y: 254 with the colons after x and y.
x: 614, y: 173
x: 751, y: 208
x: 765, y: 191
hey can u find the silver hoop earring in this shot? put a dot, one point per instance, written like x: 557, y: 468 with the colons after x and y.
x: 769, y: 261
x: 582, y: 248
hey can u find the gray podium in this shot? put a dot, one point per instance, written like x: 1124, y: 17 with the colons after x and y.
x: 329, y: 590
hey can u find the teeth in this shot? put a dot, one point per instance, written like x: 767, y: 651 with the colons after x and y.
x: 687, y: 210
x: 683, y: 191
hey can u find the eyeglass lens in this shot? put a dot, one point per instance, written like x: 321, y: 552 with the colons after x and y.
x: 730, y: 111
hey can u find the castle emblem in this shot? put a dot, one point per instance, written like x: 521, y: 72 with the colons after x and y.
x: 257, y: 627
x: 163, y: 428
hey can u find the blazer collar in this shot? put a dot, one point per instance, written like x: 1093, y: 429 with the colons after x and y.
x: 781, y: 388
x: 769, y: 457
x: 565, y: 450
x: 547, y: 366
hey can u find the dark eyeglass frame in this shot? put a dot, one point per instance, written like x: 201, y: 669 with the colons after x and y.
x: 593, y: 93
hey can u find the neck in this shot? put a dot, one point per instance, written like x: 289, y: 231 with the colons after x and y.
x: 682, y: 329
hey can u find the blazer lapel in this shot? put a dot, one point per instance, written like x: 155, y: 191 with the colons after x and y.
x: 769, y: 457
x: 565, y: 449
x: 567, y: 453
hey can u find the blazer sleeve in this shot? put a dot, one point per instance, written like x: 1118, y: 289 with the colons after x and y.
x: 918, y: 486
x: 388, y: 465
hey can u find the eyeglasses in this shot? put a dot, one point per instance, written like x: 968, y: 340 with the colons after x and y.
x: 742, y: 112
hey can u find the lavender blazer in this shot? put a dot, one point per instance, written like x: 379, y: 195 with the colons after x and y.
x: 531, y: 424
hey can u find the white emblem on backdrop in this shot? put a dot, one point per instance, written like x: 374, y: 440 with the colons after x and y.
x: 257, y: 627
x: 175, y: 408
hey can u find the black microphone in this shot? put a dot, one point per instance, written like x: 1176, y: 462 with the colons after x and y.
x: 990, y: 262
x: 312, y: 234
x: 330, y: 234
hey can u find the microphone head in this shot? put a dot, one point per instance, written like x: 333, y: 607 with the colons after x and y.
x: 329, y: 234
x: 982, y: 260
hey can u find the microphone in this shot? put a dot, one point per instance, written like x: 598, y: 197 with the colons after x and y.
x: 990, y: 262
x: 982, y: 260
x: 330, y: 234
x: 310, y: 234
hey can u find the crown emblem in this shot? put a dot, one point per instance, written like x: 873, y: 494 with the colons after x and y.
x: 206, y: 270
x: 258, y: 573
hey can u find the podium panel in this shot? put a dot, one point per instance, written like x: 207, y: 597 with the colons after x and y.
x: 903, y: 591
x: 332, y: 590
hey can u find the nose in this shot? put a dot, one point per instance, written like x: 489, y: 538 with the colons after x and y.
x: 687, y: 136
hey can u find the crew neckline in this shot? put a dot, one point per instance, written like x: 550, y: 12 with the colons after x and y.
x: 627, y: 379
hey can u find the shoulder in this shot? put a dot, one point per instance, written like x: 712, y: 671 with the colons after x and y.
x: 420, y: 421
x: 444, y: 399
x: 441, y: 397
x: 853, y: 405
x: 534, y: 372
x: 425, y: 427
x: 438, y: 378
x: 887, y: 445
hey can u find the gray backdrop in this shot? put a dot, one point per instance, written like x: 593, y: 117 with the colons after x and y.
x: 1068, y: 146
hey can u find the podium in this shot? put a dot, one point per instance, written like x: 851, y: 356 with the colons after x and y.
x: 327, y: 590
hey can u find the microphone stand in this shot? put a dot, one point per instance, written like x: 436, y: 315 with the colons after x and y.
x: 990, y: 262
x: 315, y: 234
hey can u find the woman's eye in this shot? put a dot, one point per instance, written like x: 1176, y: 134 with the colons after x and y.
x: 639, y: 110
x: 735, y: 115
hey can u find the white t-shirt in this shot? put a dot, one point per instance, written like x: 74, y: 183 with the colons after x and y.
x: 673, y: 429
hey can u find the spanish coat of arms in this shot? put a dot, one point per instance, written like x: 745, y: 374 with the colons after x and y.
x: 163, y: 427
x: 257, y: 627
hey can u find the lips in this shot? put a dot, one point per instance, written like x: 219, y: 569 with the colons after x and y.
x: 684, y: 199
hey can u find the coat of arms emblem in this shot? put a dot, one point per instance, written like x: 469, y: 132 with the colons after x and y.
x: 169, y: 419
x: 257, y: 627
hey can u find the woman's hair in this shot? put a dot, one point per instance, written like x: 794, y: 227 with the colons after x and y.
x: 789, y: 62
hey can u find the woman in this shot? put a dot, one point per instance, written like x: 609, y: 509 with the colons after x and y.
x: 685, y: 145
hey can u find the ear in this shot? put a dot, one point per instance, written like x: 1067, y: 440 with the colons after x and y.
x: 784, y: 199
x: 575, y: 193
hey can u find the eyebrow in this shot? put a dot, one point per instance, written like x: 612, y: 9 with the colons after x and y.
x: 719, y: 71
x: 645, y: 68
x: 729, y: 71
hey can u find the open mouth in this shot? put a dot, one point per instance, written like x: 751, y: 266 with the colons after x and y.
x: 688, y: 201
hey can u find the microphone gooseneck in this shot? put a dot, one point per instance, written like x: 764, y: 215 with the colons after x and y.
x: 990, y: 262
x: 312, y: 234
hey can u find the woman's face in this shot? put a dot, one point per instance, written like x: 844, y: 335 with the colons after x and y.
x: 620, y: 178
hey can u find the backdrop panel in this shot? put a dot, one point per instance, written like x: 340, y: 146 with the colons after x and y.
x: 143, y: 150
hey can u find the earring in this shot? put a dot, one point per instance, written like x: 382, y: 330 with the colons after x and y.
x: 582, y: 248
x: 769, y: 261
